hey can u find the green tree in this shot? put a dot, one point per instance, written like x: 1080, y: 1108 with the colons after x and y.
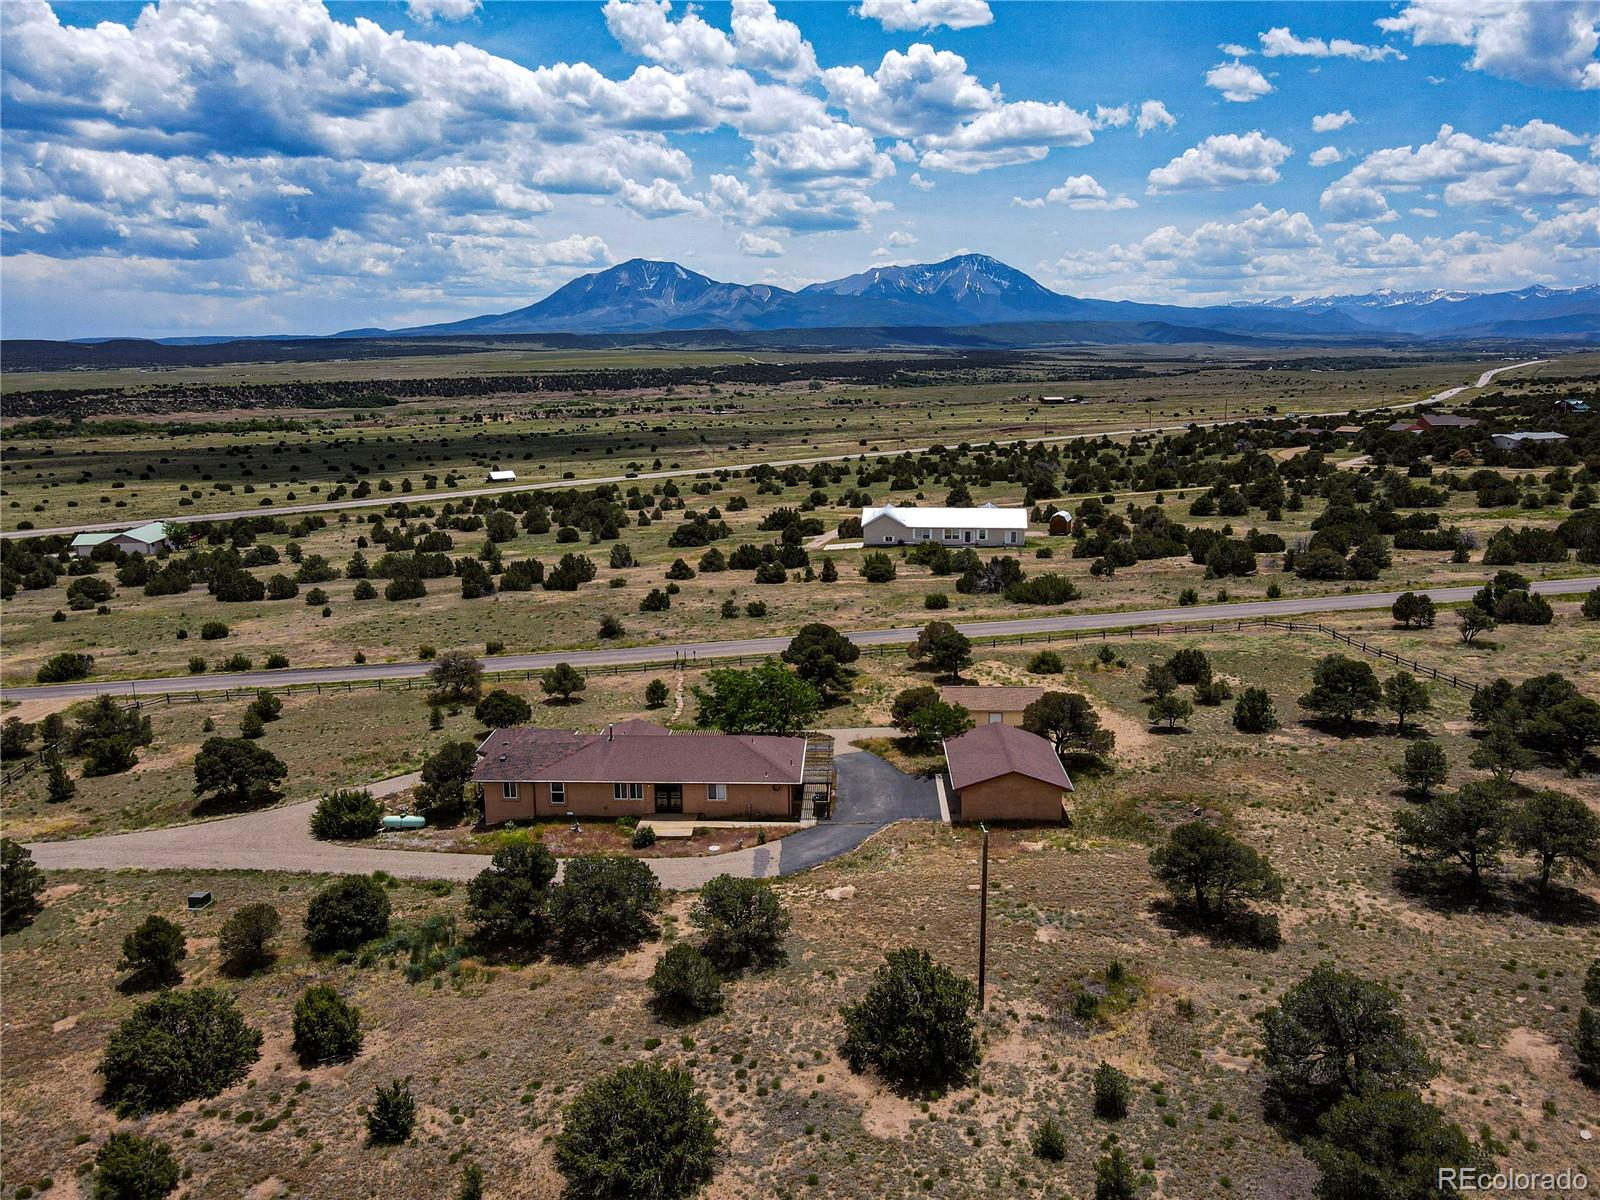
x: 1068, y: 720
x: 1190, y: 665
x: 1587, y: 1046
x: 1559, y: 832
x: 643, y: 1132
x: 251, y: 726
x: 346, y: 815
x: 915, y: 1024
x: 1467, y: 827
x: 1414, y: 609
x: 267, y: 706
x: 1473, y: 622
x: 246, y: 937
x: 15, y: 736
x: 1423, y: 768
x: 1341, y: 688
x: 347, y: 913
x: 1500, y: 753
x: 473, y: 1182
x: 456, y: 676
x: 765, y: 699
x: 1159, y: 680
x: 1170, y: 709
x: 1591, y: 605
x: 877, y: 567
x: 236, y: 773
x: 1048, y: 1141
x: 1404, y: 695
x: 821, y: 656
x: 1388, y: 1144
x: 130, y: 1167
x: 326, y: 1027
x: 562, y: 681
x: 743, y: 922
x: 656, y: 694
x: 685, y: 985
x: 501, y: 709
x: 1254, y: 713
x: 1114, y: 1178
x: 1112, y: 1092
x: 393, y: 1113
x: 943, y: 647
x: 445, y: 775
x: 605, y: 904
x: 1335, y: 1034
x: 59, y: 786
x: 179, y: 1046
x: 21, y: 885
x: 926, y: 718
x: 1212, y: 870
x: 508, y: 901
x: 152, y: 952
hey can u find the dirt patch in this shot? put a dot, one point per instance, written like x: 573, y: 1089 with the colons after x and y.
x: 1135, y: 742
x: 1532, y: 1047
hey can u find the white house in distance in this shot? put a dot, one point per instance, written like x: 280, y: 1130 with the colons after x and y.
x: 985, y: 525
x: 148, y: 538
x: 502, y: 476
x: 1516, y: 441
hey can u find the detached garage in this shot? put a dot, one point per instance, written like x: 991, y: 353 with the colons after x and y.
x: 1001, y: 773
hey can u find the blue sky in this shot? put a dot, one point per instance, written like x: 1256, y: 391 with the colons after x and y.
x: 252, y: 166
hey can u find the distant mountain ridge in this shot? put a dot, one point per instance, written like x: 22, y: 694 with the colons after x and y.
x: 644, y: 296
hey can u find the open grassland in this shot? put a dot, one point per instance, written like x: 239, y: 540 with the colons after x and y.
x: 494, y: 1052
x: 140, y: 636
x: 235, y: 459
x: 329, y: 739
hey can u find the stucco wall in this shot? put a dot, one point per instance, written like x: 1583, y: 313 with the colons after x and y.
x: 1011, y: 798
x: 758, y: 800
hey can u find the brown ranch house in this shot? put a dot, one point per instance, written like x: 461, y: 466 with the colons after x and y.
x: 1001, y: 773
x: 992, y: 705
x: 640, y: 769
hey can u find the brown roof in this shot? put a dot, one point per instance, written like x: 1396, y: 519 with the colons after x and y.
x: 991, y: 699
x: 637, y: 755
x: 1446, y: 419
x: 990, y: 751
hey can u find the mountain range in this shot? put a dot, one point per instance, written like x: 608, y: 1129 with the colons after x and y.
x: 643, y: 296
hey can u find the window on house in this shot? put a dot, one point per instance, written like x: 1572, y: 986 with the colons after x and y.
x: 558, y: 793
x: 1011, y: 538
x: 627, y: 791
x: 925, y: 535
x: 508, y: 791
x: 716, y: 791
x: 983, y: 535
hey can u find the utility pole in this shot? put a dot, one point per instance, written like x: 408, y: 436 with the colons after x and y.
x: 983, y: 915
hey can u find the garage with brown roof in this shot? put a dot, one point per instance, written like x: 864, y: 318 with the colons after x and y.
x: 1000, y: 773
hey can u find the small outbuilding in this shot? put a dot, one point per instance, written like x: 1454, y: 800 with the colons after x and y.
x: 1060, y: 523
x: 502, y: 476
x: 149, y: 538
x: 1571, y: 405
x: 1518, y: 441
x: 1000, y: 773
x: 992, y: 705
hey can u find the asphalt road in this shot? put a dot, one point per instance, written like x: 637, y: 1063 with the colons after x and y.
x: 871, y: 796
x: 677, y: 472
x: 691, y: 652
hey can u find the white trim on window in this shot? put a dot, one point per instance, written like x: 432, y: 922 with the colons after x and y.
x: 716, y: 791
x: 627, y: 791
x: 508, y: 791
x: 558, y: 793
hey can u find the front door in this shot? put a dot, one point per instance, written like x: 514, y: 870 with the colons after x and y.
x: 669, y: 797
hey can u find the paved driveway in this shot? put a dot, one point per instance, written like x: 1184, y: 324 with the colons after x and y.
x: 872, y: 794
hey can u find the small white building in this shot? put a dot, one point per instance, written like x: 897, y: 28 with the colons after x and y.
x: 149, y: 538
x: 985, y: 525
x: 502, y: 476
x: 1516, y: 441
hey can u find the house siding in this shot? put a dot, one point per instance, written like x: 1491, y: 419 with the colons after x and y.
x: 886, y: 531
x: 762, y: 801
x: 1011, y: 797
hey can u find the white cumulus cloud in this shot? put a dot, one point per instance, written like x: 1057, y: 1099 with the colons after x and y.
x: 1220, y: 161
x: 756, y: 246
x: 900, y: 16
x: 1238, y: 81
x: 426, y: 11
x: 1279, y: 42
x: 1330, y: 121
x: 1325, y: 156
x: 1154, y: 115
x: 1534, y: 42
x: 1082, y: 192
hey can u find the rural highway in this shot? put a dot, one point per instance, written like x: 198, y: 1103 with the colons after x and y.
x: 679, y: 472
x: 693, y: 652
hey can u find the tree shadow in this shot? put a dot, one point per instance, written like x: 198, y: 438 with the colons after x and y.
x: 232, y: 804
x: 149, y: 981
x: 1558, y: 905
x: 1086, y: 766
x: 245, y: 968
x: 1447, y: 890
x: 1334, y: 727
x: 1236, y: 928
x: 1169, y: 730
x: 561, y: 701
